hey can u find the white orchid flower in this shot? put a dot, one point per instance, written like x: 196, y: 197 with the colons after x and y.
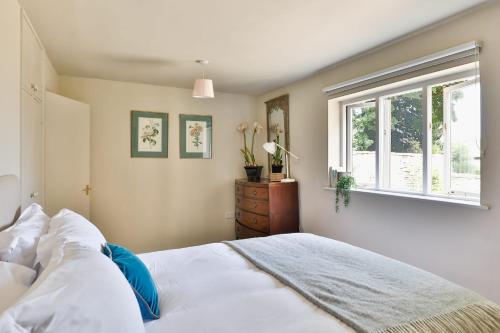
x: 242, y: 127
x: 257, y: 127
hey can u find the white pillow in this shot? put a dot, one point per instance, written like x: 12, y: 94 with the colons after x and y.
x: 14, y: 281
x: 18, y: 243
x: 67, y: 227
x: 83, y: 291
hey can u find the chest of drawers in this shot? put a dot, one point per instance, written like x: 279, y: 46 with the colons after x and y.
x: 265, y: 208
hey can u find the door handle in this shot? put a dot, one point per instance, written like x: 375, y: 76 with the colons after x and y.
x: 87, y: 189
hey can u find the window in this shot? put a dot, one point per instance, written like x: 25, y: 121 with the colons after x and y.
x: 402, y: 135
x: 421, y: 137
x: 362, y: 122
x: 456, y: 142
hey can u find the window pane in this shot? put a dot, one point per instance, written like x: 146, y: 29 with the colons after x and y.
x: 464, y: 128
x: 403, y: 117
x: 363, y: 122
x: 438, y: 161
x: 456, y: 147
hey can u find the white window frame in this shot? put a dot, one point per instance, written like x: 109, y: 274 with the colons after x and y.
x: 383, y: 126
x: 447, y: 129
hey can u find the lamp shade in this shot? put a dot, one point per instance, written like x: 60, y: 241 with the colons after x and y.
x: 270, y: 147
x: 203, y: 88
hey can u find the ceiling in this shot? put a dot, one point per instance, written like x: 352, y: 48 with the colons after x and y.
x: 253, y: 46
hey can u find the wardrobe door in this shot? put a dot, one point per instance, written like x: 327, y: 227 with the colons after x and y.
x: 31, y: 61
x: 10, y: 83
x: 32, y: 138
x: 31, y: 150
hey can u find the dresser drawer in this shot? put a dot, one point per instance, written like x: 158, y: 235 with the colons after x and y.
x: 253, y: 206
x: 260, y: 193
x: 239, y: 190
x: 253, y: 221
x: 244, y: 232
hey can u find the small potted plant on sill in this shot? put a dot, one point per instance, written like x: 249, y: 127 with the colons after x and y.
x: 252, y: 170
x: 277, y: 157
x: 343, y: 187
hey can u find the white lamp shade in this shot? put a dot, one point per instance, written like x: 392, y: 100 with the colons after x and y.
x: 203, y: 88
x: 270, y: 147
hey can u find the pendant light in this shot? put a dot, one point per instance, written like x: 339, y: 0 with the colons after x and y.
x: 203, y: 88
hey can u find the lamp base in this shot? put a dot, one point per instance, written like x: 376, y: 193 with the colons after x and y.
x: 288, y: 180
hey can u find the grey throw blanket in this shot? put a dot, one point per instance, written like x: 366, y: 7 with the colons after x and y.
x: 369, y: 292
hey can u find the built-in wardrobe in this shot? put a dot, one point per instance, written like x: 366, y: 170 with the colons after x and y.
x: 32, y: 94
x: 39, y: 129
x: 22, y: 86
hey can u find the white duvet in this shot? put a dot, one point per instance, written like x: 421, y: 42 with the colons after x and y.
x: 211, y: 288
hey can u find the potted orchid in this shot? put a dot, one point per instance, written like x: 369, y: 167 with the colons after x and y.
x: 252, y: 169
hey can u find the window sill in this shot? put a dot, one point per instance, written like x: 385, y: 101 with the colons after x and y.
x: 458, y: 202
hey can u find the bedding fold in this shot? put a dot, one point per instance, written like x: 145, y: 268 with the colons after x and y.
x: 369, y: 292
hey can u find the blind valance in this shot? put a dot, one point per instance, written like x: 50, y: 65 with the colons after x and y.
x: 455, y: 56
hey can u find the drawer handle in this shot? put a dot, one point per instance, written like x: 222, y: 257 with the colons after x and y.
x: 254, y: 221
x: 256, y: 205
x: 254, y: 192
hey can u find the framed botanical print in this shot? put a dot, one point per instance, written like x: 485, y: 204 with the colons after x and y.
x: 149, y: 134
x: 195, y: 136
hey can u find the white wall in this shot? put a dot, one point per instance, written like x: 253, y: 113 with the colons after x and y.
x: 153, y: 203
x: 461, y: 244
x: 10, y: 83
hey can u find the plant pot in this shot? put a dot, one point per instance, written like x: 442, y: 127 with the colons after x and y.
x: 342, y: 174
x: 276, y: 168
x: 253, y: 173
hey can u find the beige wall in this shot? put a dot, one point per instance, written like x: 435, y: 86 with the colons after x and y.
x: 10, y: 83
x: 154, y: 203
x: 51, y: 77
x: 461, y: 244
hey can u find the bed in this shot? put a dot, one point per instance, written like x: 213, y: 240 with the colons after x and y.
x: 211, y: 288
x: 288, y: 283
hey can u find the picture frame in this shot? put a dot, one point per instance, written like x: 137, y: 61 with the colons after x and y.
x: 195, y: 136
x: 149, y: 134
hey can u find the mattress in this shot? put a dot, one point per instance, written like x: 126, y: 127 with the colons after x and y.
x: 211, y: 288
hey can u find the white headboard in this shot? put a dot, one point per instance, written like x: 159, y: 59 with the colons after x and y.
x: 10, y: 200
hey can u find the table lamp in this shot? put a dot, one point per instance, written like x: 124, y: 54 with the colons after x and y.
x: 270, y: 147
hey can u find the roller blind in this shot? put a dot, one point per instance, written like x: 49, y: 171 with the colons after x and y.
x: 455, y: 56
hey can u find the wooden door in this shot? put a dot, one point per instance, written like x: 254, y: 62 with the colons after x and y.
x: 31, y: 150
x: 67, y: 154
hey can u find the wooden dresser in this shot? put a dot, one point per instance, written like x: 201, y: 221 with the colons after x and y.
x: 265, y: 208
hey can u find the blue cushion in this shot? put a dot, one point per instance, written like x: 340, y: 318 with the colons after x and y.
x: 138, y: 277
